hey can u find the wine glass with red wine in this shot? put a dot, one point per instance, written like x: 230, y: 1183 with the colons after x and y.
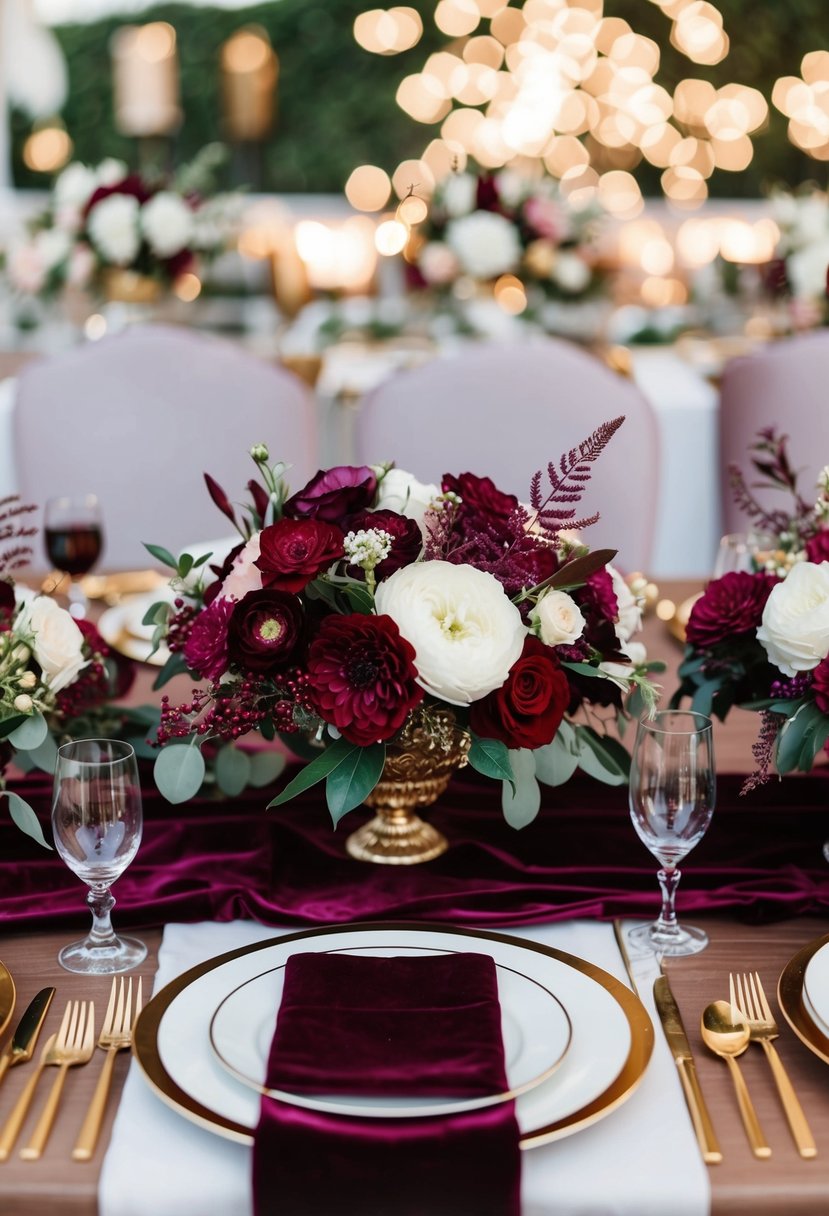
x: 74, y: 539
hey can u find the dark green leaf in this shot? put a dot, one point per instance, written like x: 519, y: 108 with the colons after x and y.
x: 201, y: 560
x: 359, y: 598
x: 318, y: 768
x: 703, y: 699
x: 185, y: 564
x: 163, y: 555
x: 490, y: 757
x: 793, y: 735
x: 25, y: 818
x: 10, y: 724
x: 586, y: 669
x: 352, y: 781
x: 174, y: 666
x: 577, y: 572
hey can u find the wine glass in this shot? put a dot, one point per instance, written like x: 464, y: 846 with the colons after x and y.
x: 672, y: 796
x: 73, y: 534
x: 97, y: 822
x: 742, y: 551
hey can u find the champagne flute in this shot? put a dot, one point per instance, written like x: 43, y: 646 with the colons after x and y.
x: 73, y: 536
x: 97, y: 824
x: 672, y: 795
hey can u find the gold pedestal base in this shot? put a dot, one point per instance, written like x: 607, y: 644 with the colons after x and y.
x: 396, y: 838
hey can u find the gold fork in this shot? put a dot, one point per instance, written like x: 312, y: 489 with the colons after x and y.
x: 752, y: 1003
x: 115, y: 1035
x: 74, y: 1044
x: 12, y: 1126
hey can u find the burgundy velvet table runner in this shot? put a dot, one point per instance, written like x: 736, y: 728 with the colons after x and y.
x: 403, y: 1026
x: 218, y: 860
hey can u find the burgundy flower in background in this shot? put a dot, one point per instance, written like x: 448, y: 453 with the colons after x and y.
x: 221, y: 572
x: 406, y: 538
x: 486, y: 194
x: 820, y: 685
x: 265, y: 630
x: 131, y: 184
x: 362, y: 677
x: 526, y: 711
x: 292, y: 552
x: 729, y: 606
x: 598, y: 593
x: 122, y: 670
x: 817, y: 547
x: 334, y: 493
x: 205, y: 651
x: 6, y: 604
x: 480, y: 496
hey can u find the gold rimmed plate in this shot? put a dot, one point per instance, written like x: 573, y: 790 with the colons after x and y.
x: 612, y: 1035
x: 8, y: 996
x: 790, y: 996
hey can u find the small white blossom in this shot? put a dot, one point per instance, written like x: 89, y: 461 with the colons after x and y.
x: 367, y: 548
x: 27, y: 680
x: 23, y: 703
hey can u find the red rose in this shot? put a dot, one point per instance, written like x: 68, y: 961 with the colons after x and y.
x: 205, y: 651
x: 406, y: 538
x: 265, y: 630
x: 333, y: 494
x: 820, y: 685
x: 292, y: 552
x: 362, y: 677
x: 817, y: 547
x: 526, y: 711
x: 480, y: 496
x: 729, y: 606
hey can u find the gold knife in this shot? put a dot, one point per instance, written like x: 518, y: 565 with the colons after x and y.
x: 28, y: 1028
x: 677, y: 1039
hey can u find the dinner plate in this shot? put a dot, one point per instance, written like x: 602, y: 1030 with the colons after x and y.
x: 611, y: 1043
x: 816, y: 987
x: 8, y: 996
x: 790, y: 997
x: 534, y: 1024
x: 121, y: 628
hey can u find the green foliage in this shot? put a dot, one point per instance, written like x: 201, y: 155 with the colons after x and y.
x: 25, y: 818
x: 521, y: 798
x: 179, y: 772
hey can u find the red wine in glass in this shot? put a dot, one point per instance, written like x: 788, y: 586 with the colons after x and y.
x: 73, y: 547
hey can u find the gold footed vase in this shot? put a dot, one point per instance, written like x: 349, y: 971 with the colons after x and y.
x: 418, y: 768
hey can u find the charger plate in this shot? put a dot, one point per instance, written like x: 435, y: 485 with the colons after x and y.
x: 8, y: 996
x: 792, y: 999
x: 611, y: 1044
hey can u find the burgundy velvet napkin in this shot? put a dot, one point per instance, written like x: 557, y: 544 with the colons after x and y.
x: 403, y: 1026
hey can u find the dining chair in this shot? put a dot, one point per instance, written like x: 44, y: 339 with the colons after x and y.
x: 506, y: 411
x: 138, y: 417
x: 781, y: 385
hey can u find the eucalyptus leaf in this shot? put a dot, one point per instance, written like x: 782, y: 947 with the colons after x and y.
x: 30, y: 733
x: 793, y: 735
x: 602, y: 757
x: 265, y: 767
x: 201, y: 560
x: 556, y: 762
x: 161, y: 554
x: 44, y: 756
x: 352, y: 781
x: 319, y: 768
x: 9, y: 724
x: 185, y: 564
x: 703, y: 698
x: 151, y: 616
x: 586, y: 669
x: 521, y: 802
x: 490, y: 757
x: 179, y: 772
x: 25, y: 818
x: 232, y: 768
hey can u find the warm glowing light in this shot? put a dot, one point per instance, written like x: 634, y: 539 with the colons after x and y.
x: 95, y: 326
x: 155, y: 41
x: 697, y: 242
x: 391, y: 237
x: 187, y: 287
x: 47, y: 150
x: 413, y: 176
x: 666, y: 610
x: 368, y: 188
x: 510, y: 294
x: 412, y: 210
x: 337, y: 258
x: 662, y: 293
x: 457, y: 17
x: 657, y: 257
x: 246, y: 51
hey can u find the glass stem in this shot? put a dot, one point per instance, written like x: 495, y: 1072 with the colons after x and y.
x: 668, y: 883
x: 101, y: 903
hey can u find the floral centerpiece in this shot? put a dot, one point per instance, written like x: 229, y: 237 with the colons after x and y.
x: 798, y: 275
x: 104, y: 223
x: 759, y: 638
x: 367, y: 608
x: 57, y: 676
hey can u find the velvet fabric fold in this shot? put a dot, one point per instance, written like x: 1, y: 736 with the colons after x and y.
x: 403, y: 1026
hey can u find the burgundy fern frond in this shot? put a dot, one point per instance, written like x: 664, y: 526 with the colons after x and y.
x: 768, y: 521
x: 763, y: 750
x: 13, y: 528
x: 535, y: 490
x: 568, y: 480
x: 769, y: 457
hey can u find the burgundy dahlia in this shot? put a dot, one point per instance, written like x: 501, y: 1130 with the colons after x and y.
x: 362, y: 677
x: 480, y: 496
x: 820, y: 685
x: 729, y: 606
x: 292, y: 552
x: 334, y: 493
x: 406, y: 538
x: 205, y: 651
x: 598, y: 593
x: 817, y: 547
x: 265, y: 630
x: 526, y: 711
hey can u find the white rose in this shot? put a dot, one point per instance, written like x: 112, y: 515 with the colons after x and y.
x: 57, y: 642
x: 113, y: 228
x: 806, y: 270
x: 54, y: 247
x: 485, y: 243
x: 75, y: 186
x: 110, y: 172
x: 167, y: 223
x: 465, y: 632
x: 571, y: 272
x: 460, y: 192
x: 244, y: 576
x: 795, y: 626
x: 437, y: 263
x: 559, y: 619
x: 630, y: 610
x: 401, y: 492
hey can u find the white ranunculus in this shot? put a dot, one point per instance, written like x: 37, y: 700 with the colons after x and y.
x: 111, y: 171
x: 795, y: 626
x: 485, y: 243
x: 559, y: 619
x: 57, y: 642
x: 571, y: 272
x: 113, y: 228
x: 75, y: 186
x: 630, y: 609
x: 465, y: 631
x: 437, y: 263
x: 460, y: 192
x: 244, y: 575
x: 167, y: 223
x: 401, y: 492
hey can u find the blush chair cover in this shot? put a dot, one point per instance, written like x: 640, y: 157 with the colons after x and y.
x: 506, y: 411
x: 782, y: 385
x: 139, y: 417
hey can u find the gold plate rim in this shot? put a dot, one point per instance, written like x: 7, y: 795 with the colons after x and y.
x: 790, y: 999
x: 8, y: 996
x: 145, y: 1035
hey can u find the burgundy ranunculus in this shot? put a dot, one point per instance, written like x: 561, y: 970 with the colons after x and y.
x: 265, y: 630
x: 362, y: 677
x: 820, y: 685
x: 6, y: 604
x: 205, y: 651
x: 406, y: 538
x: 292, y: 552
x: 480, y: 496
x: 526, y: 711
x: 817, y: 547
x: 334, y: 493
x: 729, y: 606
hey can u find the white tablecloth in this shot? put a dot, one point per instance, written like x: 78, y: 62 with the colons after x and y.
x: 159, y: 1164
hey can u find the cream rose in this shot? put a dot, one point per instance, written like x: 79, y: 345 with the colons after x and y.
x: 465, y: 632
x: 401, y: 492
x: 795, y: 626
x: 629, y: 620
x: 558, y: 618
x: 57, y: 642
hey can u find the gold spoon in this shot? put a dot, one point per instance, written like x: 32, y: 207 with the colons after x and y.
x: 727, y: 1035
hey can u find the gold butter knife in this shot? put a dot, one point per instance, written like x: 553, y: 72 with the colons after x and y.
x: 28, y: 1028
x: 677, y: 1039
